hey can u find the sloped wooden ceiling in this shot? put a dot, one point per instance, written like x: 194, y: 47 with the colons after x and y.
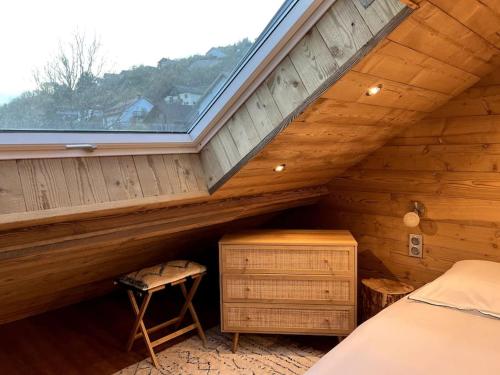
x: 441, y: 49
x: 344, y: 34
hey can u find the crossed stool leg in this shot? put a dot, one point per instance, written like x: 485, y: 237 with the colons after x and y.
x: 139, y: 328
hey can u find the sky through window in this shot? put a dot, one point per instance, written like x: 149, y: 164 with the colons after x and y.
x: 120, y: 65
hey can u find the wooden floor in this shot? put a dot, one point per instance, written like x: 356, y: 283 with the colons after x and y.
x: 86, y: 338
x: 89, y: 337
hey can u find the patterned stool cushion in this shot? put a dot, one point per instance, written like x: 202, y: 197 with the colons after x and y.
x: 161, y: 274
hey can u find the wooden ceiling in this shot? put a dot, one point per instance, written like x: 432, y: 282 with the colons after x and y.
x: 340, y: 38
x: 441, y: 49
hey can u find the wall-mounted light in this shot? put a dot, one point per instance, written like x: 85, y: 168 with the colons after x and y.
x: 412, y: 218
x: 374, y: 90
x: 280, y: 168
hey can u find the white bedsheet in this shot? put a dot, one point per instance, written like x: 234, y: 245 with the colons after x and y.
x: 413, y: 338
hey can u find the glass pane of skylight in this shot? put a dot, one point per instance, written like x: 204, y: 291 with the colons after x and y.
x: 120, y: 65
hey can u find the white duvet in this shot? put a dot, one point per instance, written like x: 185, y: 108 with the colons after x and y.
x: 415, y: 338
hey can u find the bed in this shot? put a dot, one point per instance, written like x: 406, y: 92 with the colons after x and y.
x: 413, y: 337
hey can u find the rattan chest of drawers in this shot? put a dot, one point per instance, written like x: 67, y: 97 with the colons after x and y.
x: 288, y: 281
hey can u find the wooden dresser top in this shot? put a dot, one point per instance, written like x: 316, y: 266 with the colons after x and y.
x: 279, y: 236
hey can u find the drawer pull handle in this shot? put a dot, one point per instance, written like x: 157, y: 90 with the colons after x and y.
x: 247, y: 260
x: 247, y: 289
x: 327, y: 291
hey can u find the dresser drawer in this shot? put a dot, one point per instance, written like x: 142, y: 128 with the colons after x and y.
x: 282, y: 288
x: 288, y: 259
x: 286, y: 318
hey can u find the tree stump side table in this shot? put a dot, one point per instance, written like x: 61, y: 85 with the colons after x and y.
x: 377, y: 294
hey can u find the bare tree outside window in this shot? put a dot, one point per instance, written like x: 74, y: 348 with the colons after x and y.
x: 166, y: 70
x: 77, y: 62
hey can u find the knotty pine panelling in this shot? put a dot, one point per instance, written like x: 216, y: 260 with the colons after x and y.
x: 323, y: 52
x: 44, y: 184
x: 450, y: 162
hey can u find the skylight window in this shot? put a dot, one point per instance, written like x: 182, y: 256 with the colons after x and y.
x: 121, y: 66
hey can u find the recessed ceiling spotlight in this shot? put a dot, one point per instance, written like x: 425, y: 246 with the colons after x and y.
x: 374, y: 90
x: 280, y: 168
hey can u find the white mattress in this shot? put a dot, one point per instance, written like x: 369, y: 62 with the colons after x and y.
x: 414, y: 338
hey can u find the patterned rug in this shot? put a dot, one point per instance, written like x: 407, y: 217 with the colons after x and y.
x: 256, y: 355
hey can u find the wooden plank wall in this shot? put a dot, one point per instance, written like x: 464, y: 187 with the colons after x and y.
x: 46, y: 266
x: 325, y: 49
x: 450, y: 162
x: 44, y: 184
x: 428, y: 59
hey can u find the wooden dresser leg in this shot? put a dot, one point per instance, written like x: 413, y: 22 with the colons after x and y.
x: 236, y: 338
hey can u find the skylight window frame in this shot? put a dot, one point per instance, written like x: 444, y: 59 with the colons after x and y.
x: 292, y: 21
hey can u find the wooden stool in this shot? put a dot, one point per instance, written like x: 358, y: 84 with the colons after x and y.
x: 149, y: 280
x: 377, y: 294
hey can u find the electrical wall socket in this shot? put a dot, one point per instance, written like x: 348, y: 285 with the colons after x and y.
x: 415, y: 246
